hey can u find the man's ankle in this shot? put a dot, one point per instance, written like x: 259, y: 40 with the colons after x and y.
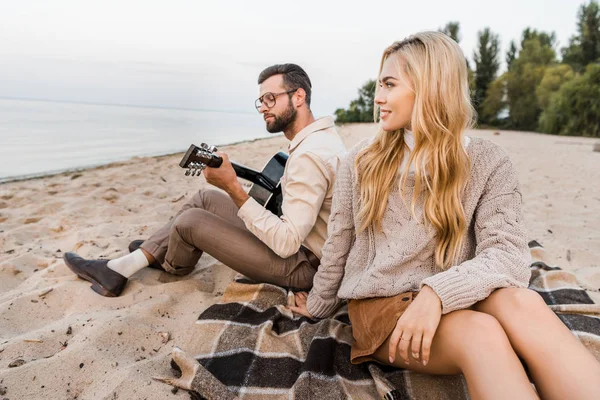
x: 149, y: 257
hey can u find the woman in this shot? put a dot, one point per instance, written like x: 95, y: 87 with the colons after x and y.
x: 427, y: 242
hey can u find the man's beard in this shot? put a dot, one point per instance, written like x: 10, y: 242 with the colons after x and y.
x: 281, y: 122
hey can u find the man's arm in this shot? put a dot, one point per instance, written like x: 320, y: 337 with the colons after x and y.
x: 307, y: 182
x: 237, y: 194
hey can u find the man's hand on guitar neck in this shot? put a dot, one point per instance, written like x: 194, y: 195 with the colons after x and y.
x: 225, y: 178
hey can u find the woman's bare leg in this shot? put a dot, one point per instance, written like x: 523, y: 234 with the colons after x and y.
x: 560, y: 366
x: 475, y: 344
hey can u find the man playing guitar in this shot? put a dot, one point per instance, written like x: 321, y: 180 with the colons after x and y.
x: 233, y: 227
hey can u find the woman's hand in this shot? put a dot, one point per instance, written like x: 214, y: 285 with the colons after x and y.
x: 416, y: 327
x: 300, y: 307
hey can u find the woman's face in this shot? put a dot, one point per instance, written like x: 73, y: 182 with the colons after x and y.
x: 396, y: 97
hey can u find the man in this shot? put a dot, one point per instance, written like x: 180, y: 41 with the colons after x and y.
x: 234, y: 228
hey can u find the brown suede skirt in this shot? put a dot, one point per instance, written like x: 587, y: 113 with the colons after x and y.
x: 373, y: 321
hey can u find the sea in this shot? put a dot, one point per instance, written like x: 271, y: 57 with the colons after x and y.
x: 39, y: 138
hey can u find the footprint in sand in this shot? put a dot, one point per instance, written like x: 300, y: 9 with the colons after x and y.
x: 51, y: 208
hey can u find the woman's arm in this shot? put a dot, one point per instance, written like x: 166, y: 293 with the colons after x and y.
x: 323, y: 300
x: 502, y: 256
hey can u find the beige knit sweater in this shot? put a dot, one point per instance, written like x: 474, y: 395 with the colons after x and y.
x: 400, y: 258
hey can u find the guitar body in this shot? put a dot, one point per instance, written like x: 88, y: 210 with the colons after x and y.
x: 266, y: 185
x: 273, y: 171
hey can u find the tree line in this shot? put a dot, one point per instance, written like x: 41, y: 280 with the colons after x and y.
x: 543, y: 89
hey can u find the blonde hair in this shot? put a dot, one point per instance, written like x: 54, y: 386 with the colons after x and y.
x: 442, y: 112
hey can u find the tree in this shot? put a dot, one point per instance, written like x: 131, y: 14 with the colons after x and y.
x: 575, y: 109
x: 584, y: 47
x: 495, y: 102
x: 554, y: 77
x: 486, y: 66
x: 546, y: 39
x: 452, y: 29
x: 511, y: 54
x: 352, y: 114
x: 361, y: 109
x: 367, y: 95
x: 471, y: 77
x: 526, y: 72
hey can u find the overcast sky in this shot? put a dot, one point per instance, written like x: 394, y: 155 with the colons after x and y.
x: 207, y: 54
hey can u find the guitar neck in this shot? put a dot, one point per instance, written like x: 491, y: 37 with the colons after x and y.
x: 197, y: 158
x: 253, y: 176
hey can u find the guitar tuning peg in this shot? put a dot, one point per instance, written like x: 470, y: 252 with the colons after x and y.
x: 188, y: 172
x: 212, y: 149
x: 203, y: 146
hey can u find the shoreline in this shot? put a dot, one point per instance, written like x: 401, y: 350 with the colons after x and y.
x: 68, y: 171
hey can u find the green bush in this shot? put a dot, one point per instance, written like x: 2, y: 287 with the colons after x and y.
x: 575, y: 108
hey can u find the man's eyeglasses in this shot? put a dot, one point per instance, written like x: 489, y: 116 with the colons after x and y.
x: 269, y: 99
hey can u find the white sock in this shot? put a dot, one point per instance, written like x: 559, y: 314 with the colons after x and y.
x: 129, y: 264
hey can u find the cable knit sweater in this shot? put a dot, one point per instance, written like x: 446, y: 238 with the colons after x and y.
x: 400, y: 258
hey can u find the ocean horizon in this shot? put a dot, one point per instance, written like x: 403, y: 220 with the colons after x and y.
x: 46, y: 137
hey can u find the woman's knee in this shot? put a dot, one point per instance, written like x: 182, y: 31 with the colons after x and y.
x: 512, y: 301
x: 523, y: 299
x: 464, y: 339
x: 476, y: 331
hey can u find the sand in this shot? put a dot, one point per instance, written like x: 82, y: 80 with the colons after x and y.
x: 77, y: 344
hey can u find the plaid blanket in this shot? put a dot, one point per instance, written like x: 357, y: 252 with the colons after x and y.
x: 251, y: 347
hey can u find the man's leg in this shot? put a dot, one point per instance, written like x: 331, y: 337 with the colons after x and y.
x: 226, y: 238
x: 213, y: 200
x: 109, y: 277
x: 216, y: 230
x: 152, y: 251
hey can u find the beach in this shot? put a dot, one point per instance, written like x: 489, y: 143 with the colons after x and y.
x: 75, y: 344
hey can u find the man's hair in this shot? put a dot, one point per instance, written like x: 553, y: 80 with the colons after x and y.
x: 294, y: 77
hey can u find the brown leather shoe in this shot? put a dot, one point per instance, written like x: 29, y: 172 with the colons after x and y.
x: 104, y: 280
x: 136, y: 244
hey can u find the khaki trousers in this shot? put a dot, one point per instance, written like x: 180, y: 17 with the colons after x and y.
x: 208, y: 222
